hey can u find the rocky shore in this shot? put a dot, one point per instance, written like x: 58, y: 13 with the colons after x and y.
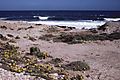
x: 75, y: 54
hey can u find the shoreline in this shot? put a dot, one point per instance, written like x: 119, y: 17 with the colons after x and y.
x: 101, y: 56
x: 87, y: 24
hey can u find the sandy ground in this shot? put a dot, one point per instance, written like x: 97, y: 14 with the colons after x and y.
x: 103, y: 57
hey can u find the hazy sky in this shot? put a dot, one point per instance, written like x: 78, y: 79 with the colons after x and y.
x: 59, y: 4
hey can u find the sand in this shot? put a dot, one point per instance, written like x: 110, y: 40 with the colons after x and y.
x: 103, y: 57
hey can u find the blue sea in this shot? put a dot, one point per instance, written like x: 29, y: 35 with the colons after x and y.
x: 78, y: 19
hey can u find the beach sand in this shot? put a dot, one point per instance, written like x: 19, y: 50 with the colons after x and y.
x: 103, y: 57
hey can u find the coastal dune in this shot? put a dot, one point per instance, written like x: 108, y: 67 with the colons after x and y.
x: 101, y: 56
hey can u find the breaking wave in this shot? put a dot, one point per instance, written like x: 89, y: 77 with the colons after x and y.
x: 78, y: 24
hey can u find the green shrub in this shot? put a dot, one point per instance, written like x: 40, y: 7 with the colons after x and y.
x: 113, y: 36
x: 12, y: 41
x: 52, y: 29
x: 103, y: 27
x: 3, y: 27
x: 3, y: 37
x: 46, y: 37
x: 10, y: 35
x: 93, y: 31
x: 76, y: 66
x: 32, y: 38
x: 25, y: 37
x: 73, y: 39
x: 56, y: 61
x: 36, y: 51
x: 17, y: 37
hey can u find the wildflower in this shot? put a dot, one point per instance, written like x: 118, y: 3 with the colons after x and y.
x: 19, y: 70
x: 14, y: 64
x: 18, y: 67
x: 27, y: 63
x: 47, y: 54
x: 35, y: 64
x: 46, y: 73
x: 24, y: 69
x: 9, y: 64
x: 28, y: 59
x: 44, y: 53
x: 15, y: 69
x: 82, y: 76
x: 51, y: 76
x: 41, y: 65
x: 52, y: 68
x: 23, y: 50
x: 59, y: 65
x: 30, y: 70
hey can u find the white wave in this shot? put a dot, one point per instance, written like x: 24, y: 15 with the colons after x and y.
x: 3, y: 18
x: 41, y: 18
x: 112, y: 19
x: 77, y: 24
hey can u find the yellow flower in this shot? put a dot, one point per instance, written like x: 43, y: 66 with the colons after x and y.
x: 23, y: 50
x: 15, y: 69
x: 24, y: 69
x: 28, y: 59
x: 52, y: 68
x: 25, y: 60
x: 44, y: 53
x: 10, y: 64
x: 82, y: 76
x: 13, y: 63
x: 51, y: 76
x: 18, y: 67
x: 35, y: 64
x: 27, y: 66
x: 30, y: 62
x: 47, y: 54
x: 41, y: 65
x: 27, y: 63
x: 46, y: 73
x: 59, y: 65
x: 19, y: 70
x: 30, y: 70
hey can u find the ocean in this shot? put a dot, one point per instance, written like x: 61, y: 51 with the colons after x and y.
x: 78, y: 19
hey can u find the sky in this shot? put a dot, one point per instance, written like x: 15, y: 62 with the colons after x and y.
x: 59, y: 4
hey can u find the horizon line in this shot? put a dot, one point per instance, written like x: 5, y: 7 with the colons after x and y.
x: 59, y: 10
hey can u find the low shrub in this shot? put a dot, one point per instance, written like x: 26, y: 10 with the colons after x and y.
x: 52, y: 29
x: 46, y: 37
x: 76, y: 66
x: 3, y: 27
x: 103, y: 27
x: 56, y: 61
x: 36, y: 51
x: 17, y: 37
x: 12, y: 41
x: 32, y: 38
x: 3, y: 37
x: 113, y: 36
x: 73, y: 39
x: 10, y: 35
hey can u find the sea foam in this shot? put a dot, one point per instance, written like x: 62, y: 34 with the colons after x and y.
x: 78, y: 24
x: 112, y: 19
x: 41, y: 18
